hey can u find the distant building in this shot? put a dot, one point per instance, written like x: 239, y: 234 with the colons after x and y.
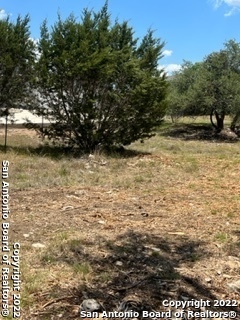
x: 20, y: 116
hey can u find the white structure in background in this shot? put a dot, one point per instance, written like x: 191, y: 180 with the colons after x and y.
x: 20, y: 116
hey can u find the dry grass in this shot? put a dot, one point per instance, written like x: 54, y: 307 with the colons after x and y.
x: 168, y: 208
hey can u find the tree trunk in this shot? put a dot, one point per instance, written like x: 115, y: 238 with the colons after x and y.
x: 6, y: 130
x: 235, y: 121
x: 219, y: 125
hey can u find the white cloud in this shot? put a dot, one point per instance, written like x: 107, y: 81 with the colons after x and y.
x: 233, y: 4
x: 231, y: 12
x: 167, y: 53
x: 217, y: 3
x: 170, y: 68
x: 3, y: 14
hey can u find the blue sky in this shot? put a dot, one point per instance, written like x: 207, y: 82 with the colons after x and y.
x: 191, y: 28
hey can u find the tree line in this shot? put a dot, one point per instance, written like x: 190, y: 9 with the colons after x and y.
x: 99, y: 86
x: 210, y: 87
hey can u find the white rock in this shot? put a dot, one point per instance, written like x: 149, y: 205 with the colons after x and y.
x: 67, y: 208
x: 185, y: 298
x: 26, y: 235
x: 38, y: 245
x: 235, y: 286
x: 156, y: 249
x: 90, y: 305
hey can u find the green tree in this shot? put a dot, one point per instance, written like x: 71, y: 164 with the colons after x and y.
x: 17, y: 56
x: 98, y: 87
x: 215, y: 86
x: 182, y: 97
x: 219, y: 87
x: 233, y: 52
x: 210, y: 87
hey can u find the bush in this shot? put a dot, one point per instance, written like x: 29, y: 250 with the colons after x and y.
x: 98, y: 87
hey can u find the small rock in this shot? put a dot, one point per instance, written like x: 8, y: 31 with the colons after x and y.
x: 145, y: 214
x: 26, y: 235
x: 184, y: 298
x: 227, y: 276
x: 119, y: 263
x: 90, y: 305
x: 67, y: 208
x: 72, y: 196
x: 101, y: 221
x: 235, y: 286
x: 208, y: 280
x: 38, y: 245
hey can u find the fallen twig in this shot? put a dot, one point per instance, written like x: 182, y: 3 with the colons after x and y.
x: 56, y: 300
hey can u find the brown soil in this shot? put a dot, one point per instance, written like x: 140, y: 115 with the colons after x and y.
x: 163, y: 242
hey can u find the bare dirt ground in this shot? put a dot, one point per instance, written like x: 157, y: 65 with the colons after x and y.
x: 149, y: 241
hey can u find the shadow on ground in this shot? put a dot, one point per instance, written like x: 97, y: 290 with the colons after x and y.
x: 197, y: 132
x: 143, y: 267
x: 57, y: 153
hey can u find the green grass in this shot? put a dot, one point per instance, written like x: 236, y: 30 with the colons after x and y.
x: 222, y: 237
x: 105, y: 276
x: 83, y: 268
x: 195, y: 257
x: 34, y: 167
